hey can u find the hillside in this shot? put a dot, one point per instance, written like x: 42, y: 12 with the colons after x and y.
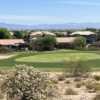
x: 51, y: 26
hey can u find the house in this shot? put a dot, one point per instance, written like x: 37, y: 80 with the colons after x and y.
x: 35, y: 34
x: 48, y: 33
x: 41, y: 33
x: 95, y: 45
x: 12, y: 43
x: 65, y: 42
x: 90, y: 36
x: 61, y: 34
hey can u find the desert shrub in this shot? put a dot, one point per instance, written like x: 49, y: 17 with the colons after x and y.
x: 67, y: 81
x: 77, y: 79
x: 97, y: 78
x: 97, y: 97
x: 53, y: 92
x: 93, y: 86
x: 79, y: 84
x: 79, y: 42
x: 70, y: 91
x: 96, y: 86
x: 27, y: 83
x: 89, y: 85
x: 44, y: 43
x: 1, y: 96
x: 61, y: 77
x: 54, y: 80
x: 76, y: 68
x: 4, y: 50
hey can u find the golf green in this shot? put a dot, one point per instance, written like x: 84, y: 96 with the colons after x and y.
x: 59, y: 57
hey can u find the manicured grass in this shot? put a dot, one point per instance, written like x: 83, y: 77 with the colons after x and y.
x: 59, y: 57
x: 53, y: 60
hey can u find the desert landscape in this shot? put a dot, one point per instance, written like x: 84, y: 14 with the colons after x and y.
x: 49, y: 50
x: 67, y: 87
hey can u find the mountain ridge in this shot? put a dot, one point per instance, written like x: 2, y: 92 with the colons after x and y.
x: 50, y: 26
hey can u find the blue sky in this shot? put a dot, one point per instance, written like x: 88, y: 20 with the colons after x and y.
x: 49, y: 11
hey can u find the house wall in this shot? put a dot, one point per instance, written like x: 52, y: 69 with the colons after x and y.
x: 91, y: 39
x: 64, y: 45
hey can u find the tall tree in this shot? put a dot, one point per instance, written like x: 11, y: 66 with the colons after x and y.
x: 20, y: 34
x: 5, y: 34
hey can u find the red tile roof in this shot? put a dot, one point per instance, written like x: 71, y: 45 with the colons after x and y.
x: 6, y: 42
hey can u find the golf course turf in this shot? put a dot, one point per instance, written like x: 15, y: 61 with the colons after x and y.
x: 53, y: 60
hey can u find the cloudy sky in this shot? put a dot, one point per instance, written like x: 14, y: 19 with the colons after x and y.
x: 49, y: 11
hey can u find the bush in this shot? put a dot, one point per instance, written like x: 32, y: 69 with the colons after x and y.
x: 77, y: 79
x: 89, y: 85
x: 27, y: 83
x: 97, y: 97
x: 97, y: 78
x: 76, y: 68
x: 93, y: 46
x: 79, y: 42
x: 79, y: 84
x: 61, y: 77
x: 1, y: 96
x: 54, y: 80
x: 67, y: 81
x: 70, y: 91
x: 4, y: 50
x: 93, y: 86
x: 44, y: 43
x: 96, y: 86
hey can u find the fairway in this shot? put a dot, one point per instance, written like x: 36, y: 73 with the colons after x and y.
x: 53, y: 60
x: 59, y: 57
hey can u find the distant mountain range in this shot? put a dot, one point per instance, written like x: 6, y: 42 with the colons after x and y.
x: 50, y: 26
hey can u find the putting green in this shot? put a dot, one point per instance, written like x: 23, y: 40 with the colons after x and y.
x: 59, y: 57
